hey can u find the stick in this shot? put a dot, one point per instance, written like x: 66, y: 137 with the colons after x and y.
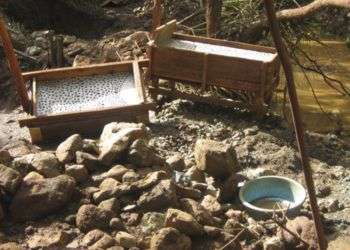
x: 233, y: 240
x: 14, y: 66
x: 157, y: 14
x: 299, y: 131
x: 196, y: 13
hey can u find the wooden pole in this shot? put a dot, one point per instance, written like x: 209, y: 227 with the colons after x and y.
x: 299, y: 131
x: 59, y: 50
x: 14, y: 66
x: 213, y: 15
x: 52, y: 50
x: 157, y: 14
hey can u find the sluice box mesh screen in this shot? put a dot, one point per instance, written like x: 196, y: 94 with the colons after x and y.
x: 86, y: 93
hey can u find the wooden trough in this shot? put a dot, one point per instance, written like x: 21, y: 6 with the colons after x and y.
x: 81, y: 100
x: 212, y: 62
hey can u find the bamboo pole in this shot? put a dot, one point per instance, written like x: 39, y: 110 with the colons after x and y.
x: 14, y: 66
x: 299, y: 131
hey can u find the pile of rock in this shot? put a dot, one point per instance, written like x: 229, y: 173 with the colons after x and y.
x: 118, y: 193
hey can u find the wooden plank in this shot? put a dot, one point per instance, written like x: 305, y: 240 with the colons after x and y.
x: 225, y: 43
x: 177, y: 64
x: 34, y: 96
x: 138, y: 81
x: 94, y: 69
x: 225, y: 71
x: 164, y: 32
x: 201, y: 99
x: 79, y: 116
x: 36, y: 135
x: 205, y: 72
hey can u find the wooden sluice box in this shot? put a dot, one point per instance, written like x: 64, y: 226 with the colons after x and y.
x: 82, y: 100
x: 211, y: 62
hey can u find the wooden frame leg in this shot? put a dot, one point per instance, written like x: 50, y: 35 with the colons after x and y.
x: 36, y: 135
x: 155, y: 85
x: 143, y: 118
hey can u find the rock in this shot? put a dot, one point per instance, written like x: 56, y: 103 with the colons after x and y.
x: 116, y: 172
x: 78, y: 172
x: 67, y: 40
x: 215, y: 158
x: 92, y: 217
x: 11, y: 246
x: 176, y: 162
x: 46, y: 164
x: 301, y: 226
x: 184, y: 222
x: 131, y: 176
x: 2, y: 214
x: 23, y: 164
x: 212, y: 205
x: 109, y: 184
x: 195, y: 174
x: 90, y: 146
x: 233, y: 227
x: 88, y: 160
x: 112, y: 205
x: 126, y: 240
x: 97, y: 239
x: 230, y: 188
x: 273, y: 243
x: 34, y: 51
x: 33, y: 176
x: 130, y: 219
x: 48, y: 238
x: 170, y: 239
x: 116, y: 138
x: 41, y: 42
x: 334, y: 205
x: 188, y: 192
x: 66, y: 150
x: 9, y: 179
x: 5, y: 157
x: 258, y: 172
x: 202, y: 215
x: 323, y: 190
x: 141, y: 155
x: 237, y: 215
x: 161, y: 196
x: 116, y: 224
x: 41, y: 197
x: 151, y: 222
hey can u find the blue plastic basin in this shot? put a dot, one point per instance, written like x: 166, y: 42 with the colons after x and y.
x: 257, y: 196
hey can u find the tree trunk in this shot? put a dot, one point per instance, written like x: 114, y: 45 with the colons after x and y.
x: 213, y: 15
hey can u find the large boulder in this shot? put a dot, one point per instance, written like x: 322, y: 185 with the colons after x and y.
x: 184, y: 222
x: 116, y: 139
x: 40, y: 197
x: 9, y: 179
x: 161, y: 196
x: 66, y: 150
x: 46, y: 164
x: 91, y: 217
x: 170, y: 239
x: 215, y: 158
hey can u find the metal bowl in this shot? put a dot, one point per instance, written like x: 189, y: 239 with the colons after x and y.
x: 272, y: 194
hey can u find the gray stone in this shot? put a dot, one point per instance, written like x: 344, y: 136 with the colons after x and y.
x: 116, y: 139
x: 202, y: 215
x: 46, y: 164
x: 273, y: 243
x: 161, y: 196
x: 116, y: 172
x: 66, y: 150
x: 112, y: 205
x: 116, y: 224
x: 131, y: 176
x: 215, y: 158
x: 67, y: 40
x: 48, y: 238
x: 88, y: 160
x: 141, y: 155
x: 151, y: 222
x: 34, y: 51
x: 170, y: 239
x: 184, y: 222
x: 176, y: 162
x: 41, y: 197
x: 97, y: 239
x: 212, y: 205
x: 195, y: 175
x: 78, y: 172
x: 91, y: 217
x: 126, y: 240
x: 9, y: 179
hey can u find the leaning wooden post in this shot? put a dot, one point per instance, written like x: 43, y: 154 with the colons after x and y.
x: 59, y: 51
x: 14, y: 66
x: 157, y: 14
x: 213, y: 15
x: 299, y: 131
